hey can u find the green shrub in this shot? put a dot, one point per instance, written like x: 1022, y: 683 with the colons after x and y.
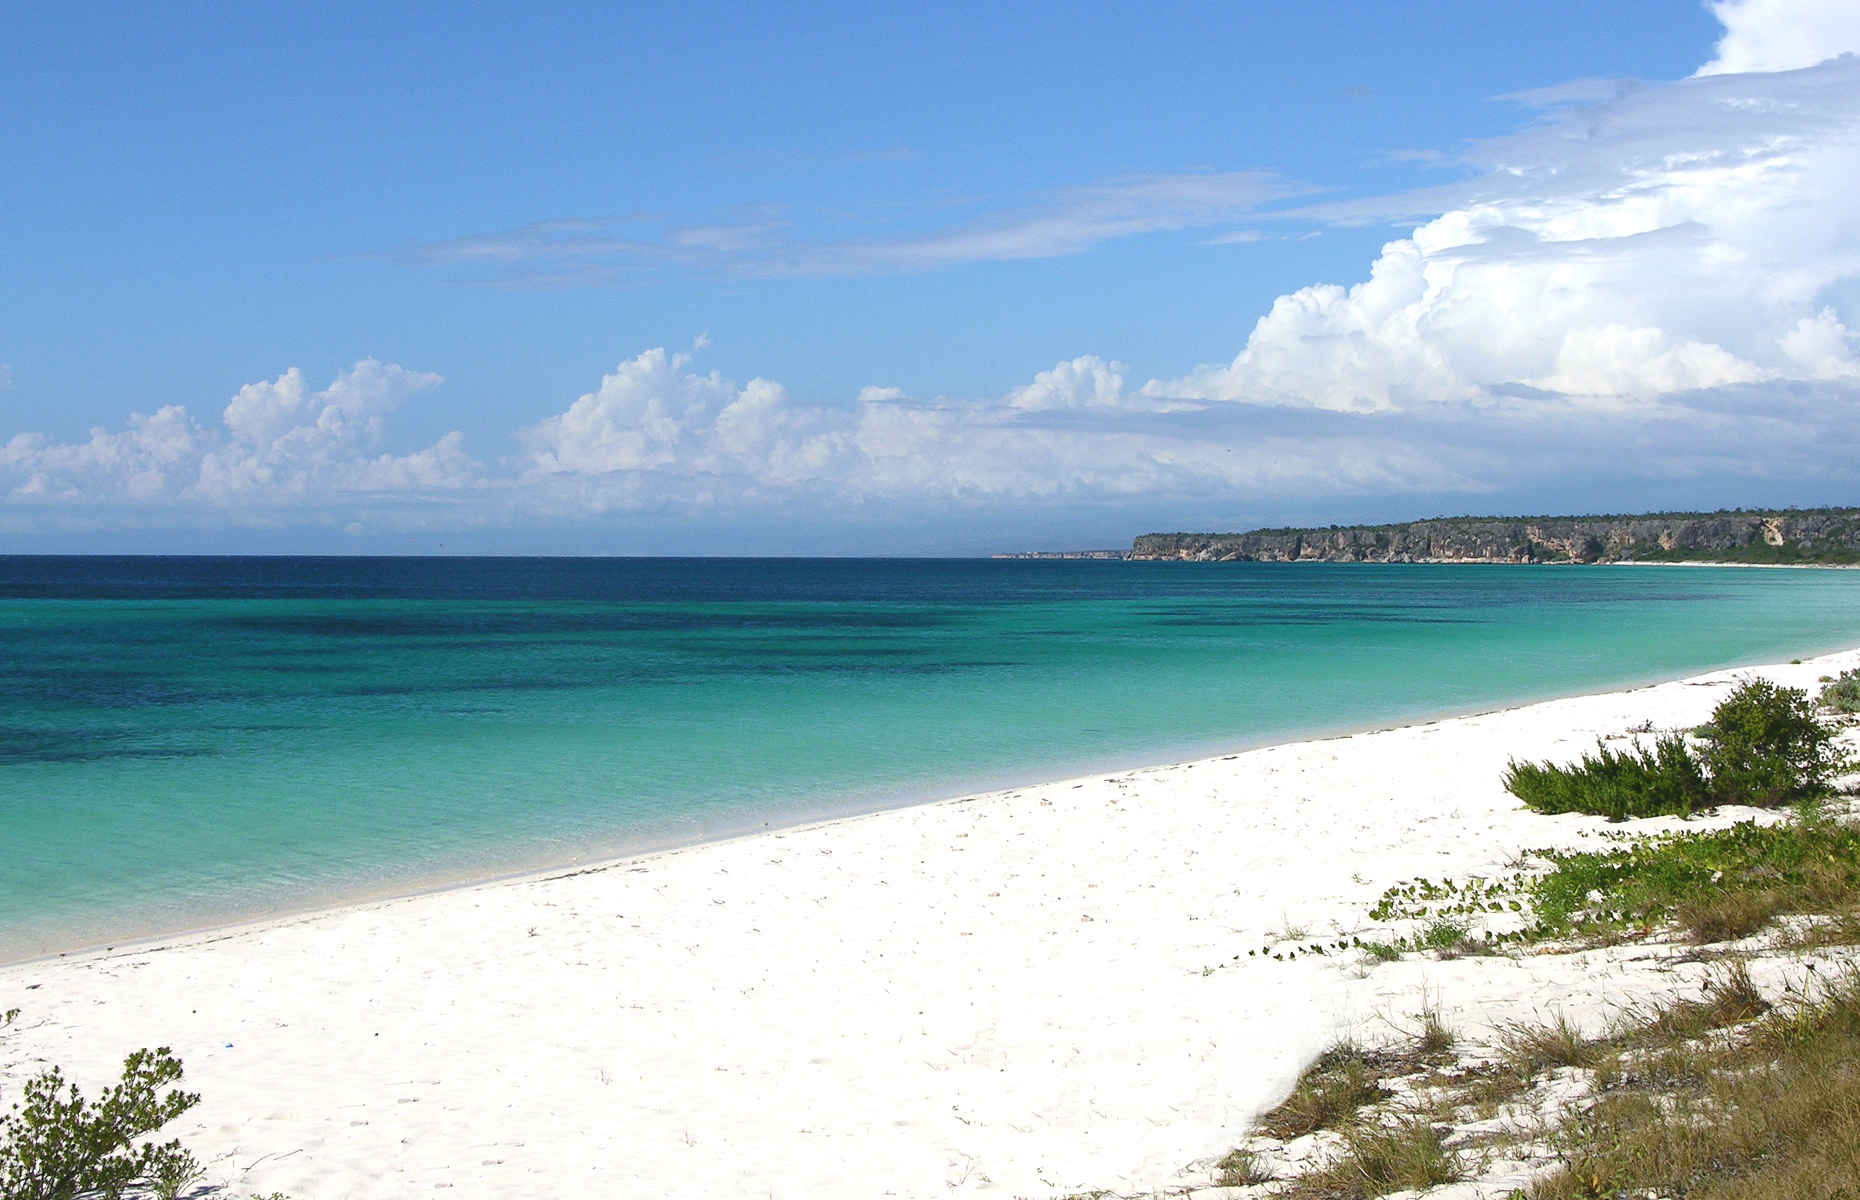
x: 55, y: 1146
x: 1764, y: 746
x: 1639, y: 782
x: 1842, y: 695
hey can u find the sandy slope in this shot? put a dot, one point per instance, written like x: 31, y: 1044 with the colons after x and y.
x: 1010, y: 994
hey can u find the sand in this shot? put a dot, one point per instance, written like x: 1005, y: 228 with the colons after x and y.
x: 1022, y: 993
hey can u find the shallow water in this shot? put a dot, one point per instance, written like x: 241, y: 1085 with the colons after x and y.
x: 186, y: 741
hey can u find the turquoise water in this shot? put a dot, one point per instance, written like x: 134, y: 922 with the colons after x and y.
x: 187, y: 741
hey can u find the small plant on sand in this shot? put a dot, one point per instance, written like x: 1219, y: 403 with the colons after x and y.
x: 56, y: 1146
x: 1719, y: 884
x: 1447, y: 936
x: 1530, y: 1048
x: 1379, y: 1159
x: 1714, y: 885
x: 1241, y: 1168
x: 1435, y: 1036
x: 1727, y: 998
x: 1842, y: 694
x: 1328, y: 1094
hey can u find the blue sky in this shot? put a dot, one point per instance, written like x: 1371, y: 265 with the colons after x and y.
x: 831, y: 279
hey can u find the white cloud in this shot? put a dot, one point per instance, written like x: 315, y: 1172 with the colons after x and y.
x: 659, y: 435
x: 1074, y: 221
x: 1084, y: 382
x: 279, y: 445
x: 286, y: 442
x: 575, y: 252
x: 1667, y: 271
x: 1782, y: 35
x: 1660, y: 239
x: 1821, y: 347
x: 134, y: 464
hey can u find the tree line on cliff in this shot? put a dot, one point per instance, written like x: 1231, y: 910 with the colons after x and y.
x: 1819, y: 535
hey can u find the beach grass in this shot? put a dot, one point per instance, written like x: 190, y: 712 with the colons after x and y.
x: 1668, y: 1093
x: 1328, y: 1093
x: 1771, y: 1113
x: 1379, y: 1159
x: 1719, y: 1094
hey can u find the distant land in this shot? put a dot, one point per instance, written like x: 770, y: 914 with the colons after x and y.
x: 1788, y: 536
x: 1796, y: 536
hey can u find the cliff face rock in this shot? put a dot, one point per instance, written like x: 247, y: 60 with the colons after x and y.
x: 1797, y: 535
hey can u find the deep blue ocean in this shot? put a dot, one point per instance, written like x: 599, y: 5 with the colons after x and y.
x: 186, y: 741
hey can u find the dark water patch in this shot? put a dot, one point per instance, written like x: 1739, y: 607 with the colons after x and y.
x: 113, y: 689
x: 1370, y: 610
x: 724, y: 649
x: 19, y: 746
x: 452, y: 626
x: 1309, y: 620
x: 445, y: 687
x: 628, y: 580
x: 107, y: 753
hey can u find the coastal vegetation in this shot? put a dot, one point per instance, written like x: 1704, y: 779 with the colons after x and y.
x: 1725, y: 1091
x: 1842, y: 694
x: 55, y: 1145
x: 1663, y: 780
x: 1764, y: 746
x: 1716, y: 1096
x: 1721, y: 1093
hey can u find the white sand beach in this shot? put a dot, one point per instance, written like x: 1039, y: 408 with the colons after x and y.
x: 1024, y: 993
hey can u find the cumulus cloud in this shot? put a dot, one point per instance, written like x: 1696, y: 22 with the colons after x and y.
x: 134, y: 464
x: 659, y: 434
x: 1638, y: 242
x: 1084, y: 382
x: 278, y: 443
x: 1782, y: 35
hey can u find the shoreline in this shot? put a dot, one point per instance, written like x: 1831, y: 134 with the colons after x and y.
x: 1018, y: 992
x: 622, y: 851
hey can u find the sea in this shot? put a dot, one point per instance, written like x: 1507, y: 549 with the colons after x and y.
x: 188, y: 742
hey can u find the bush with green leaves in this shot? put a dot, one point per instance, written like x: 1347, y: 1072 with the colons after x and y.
x: 1765, y: 746
x: 56, y: 1146
x: 1665, y: 780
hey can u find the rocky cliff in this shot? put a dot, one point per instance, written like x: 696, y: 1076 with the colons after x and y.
x: 1819, y: 535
